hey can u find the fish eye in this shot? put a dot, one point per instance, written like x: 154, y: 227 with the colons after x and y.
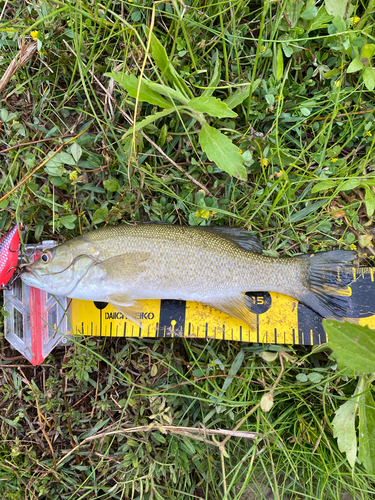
x: 46, y: 257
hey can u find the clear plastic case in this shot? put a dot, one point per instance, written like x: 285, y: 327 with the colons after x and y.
x: 36, y: 321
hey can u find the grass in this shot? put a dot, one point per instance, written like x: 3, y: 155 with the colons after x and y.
x: 79, y: 425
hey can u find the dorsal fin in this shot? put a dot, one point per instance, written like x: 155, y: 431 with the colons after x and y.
x: 240, y: 237
x: 236, y: 235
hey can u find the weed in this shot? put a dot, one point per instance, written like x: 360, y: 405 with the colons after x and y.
x: 257, y: 115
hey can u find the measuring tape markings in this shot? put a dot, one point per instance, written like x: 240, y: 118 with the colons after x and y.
x: 170, y: 318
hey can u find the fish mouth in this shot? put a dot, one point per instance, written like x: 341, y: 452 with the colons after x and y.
x: 28, y: 275
x: 25, y: 269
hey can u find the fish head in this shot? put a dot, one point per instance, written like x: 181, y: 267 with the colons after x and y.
x: 58, y: 270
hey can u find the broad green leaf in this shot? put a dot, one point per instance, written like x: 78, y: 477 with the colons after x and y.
x: 241, y: 94
x: 4, y: 115
x: 369, y: 77
x: 334, y: 151
x: 60, y: 159
x: 166, y: 67
x: 100, y: 215
x: 220, y: 149
x: 366, y: 430
x: 322, y: 20
x: 350, y: 184
x: 68, y: 221
x: 293, y: 10
x: 12, y: 116
x: 359, y: 41
x: 64, y: 158
x: 301, y: 214
x: 173, y: 94
x: 55, y: 170
x: 315, y: 377
x: 333, y: 72
x: 354, y: 66
x: 323, y: 186
x: 369, y: 201
x: 310, y: 13
x: 111, y: 185
x: 305, y: 111
x: 339, y: 24
x: 76, y: 151
x: 278, y: 63
x: 54, y: 165
x: 212, y: 106
x: 56, y: 181
x: 248, y: 157
x: 344, y: 429
x: 368, y: 50
x: 336, y: 7
x: 146, y: 94
x: 149, y: 119
x: 288, y: 50
x: 214, y: 79
x: 353, y: 345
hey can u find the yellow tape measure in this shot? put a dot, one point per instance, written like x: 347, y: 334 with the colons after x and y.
x: 279, y: 319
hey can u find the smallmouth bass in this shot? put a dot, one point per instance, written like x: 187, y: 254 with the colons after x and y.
x: 213, y: 265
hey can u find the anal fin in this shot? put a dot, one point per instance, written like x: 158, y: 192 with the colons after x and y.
x: 126, y: 305
x: 238, y: 306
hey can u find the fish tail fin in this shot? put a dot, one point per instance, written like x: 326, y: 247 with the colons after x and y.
x: 327, y: 279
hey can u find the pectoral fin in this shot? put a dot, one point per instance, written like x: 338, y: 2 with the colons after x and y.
x: 124, y: 270
x: 238, y: 306
x: 126, y: 305
x: 126, y: 267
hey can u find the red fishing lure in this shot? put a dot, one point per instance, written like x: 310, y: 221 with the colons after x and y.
x: 9, y: 245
